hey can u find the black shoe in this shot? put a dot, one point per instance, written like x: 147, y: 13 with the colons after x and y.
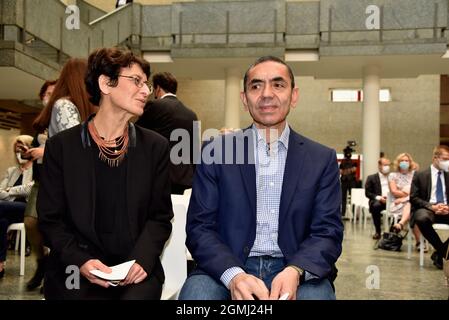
x: 36, y: 280
x: 437, y: 260
x: 376, y: 236
x: 27, y: 250
x: 2, y: 273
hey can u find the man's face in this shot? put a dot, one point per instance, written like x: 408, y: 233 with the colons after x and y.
x: 384, y: 162
x: 444, y: 156
x: 269, y: 95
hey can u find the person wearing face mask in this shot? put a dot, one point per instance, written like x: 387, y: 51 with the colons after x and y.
x: 429, y: 197
x: 400, y: 183
x: 15, y: 188
x: 376, y: 190
x: 30, y: 217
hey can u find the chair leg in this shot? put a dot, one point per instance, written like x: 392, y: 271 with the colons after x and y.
x: 22, y: 251
x: 17, y: 239
x: 421, y: 250
x: 409, y: 243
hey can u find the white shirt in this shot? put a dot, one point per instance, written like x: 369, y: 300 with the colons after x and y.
x: 433, y: 193
x: 384, y: 184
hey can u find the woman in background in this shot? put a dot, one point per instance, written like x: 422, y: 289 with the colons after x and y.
x: 66, y: 107
x: 400, y: 183
x: 14, y: 190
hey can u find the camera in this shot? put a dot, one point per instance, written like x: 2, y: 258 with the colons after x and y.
x: 349, y: 148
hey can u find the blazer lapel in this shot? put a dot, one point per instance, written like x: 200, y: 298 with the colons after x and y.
x: 428, y: 181
x: 248, y: 170
x: 293, y: 168
x: 135, y: 161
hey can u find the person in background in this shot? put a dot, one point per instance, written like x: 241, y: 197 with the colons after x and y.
x: 116, y: 206
x: 429, y: 197
x: 15, y: 188
x: 347, y: 177
x: 376, y: 190
x: 67, y: 106
x: 400, y: 183
x: 164, y: 115
x: 30, y: 217
x: 267, y: 226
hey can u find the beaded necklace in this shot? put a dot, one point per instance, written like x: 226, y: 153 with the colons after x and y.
x: 111, y: 151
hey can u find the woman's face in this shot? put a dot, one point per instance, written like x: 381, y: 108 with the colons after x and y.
x: 404, y: 163
x: 131, y: 92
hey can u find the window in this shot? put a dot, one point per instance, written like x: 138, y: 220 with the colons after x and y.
x: 356, y: 95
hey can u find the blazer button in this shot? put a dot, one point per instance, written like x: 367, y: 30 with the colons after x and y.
x: 246, y: 249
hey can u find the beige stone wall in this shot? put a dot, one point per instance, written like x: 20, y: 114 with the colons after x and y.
x: 7, y: 159
x: 409, y: 123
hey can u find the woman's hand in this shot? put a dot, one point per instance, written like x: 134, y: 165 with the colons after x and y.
x: 35, y: 153
x: 95, y: 264
x: 136, y: 274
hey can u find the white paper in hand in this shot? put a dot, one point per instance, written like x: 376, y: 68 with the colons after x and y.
x: 118, y: 273
x: 284, y: 296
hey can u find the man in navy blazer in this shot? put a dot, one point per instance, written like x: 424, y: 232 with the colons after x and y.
x: 264, y: 217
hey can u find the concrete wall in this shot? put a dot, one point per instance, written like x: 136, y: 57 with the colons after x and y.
x: 409, y: 123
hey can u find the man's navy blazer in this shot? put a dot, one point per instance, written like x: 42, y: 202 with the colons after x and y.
x: 221, y: 220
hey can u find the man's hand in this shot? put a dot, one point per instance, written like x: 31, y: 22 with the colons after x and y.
x: 440, y: 209
x: 246, y: 287
x: 135, y: 275
x: 95, y: 264
x: 383, y: 200
x: 286, y: 281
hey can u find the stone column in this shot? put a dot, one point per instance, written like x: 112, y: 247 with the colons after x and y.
x: 232, y: 98
x: 371, y: 120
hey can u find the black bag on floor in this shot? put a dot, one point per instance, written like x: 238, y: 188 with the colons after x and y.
x: 391, y: 241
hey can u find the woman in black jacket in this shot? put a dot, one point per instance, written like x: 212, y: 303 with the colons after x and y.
x: 104, y: 197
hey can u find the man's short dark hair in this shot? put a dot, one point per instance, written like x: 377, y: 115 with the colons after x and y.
x: 166, y: 81
x: 265, y: 59
x: 108, y: 62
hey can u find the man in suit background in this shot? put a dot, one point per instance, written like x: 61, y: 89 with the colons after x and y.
x: 429, y: 198
x: 164, y: 115
x: 376, y: 190
x: 268, y: 225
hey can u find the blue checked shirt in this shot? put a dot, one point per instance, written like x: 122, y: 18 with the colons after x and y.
x: 270, y: 165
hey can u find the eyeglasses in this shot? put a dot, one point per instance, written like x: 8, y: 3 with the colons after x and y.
x: 139, y: 83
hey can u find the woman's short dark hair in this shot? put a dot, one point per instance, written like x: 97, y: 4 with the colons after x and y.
x: 108, y: 62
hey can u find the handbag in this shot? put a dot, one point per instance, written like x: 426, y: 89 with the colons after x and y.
x: 391, y: 241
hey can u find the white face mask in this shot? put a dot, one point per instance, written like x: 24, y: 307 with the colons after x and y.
x: 19, y: 158
x: 444, y: 165
x: 386, y: 169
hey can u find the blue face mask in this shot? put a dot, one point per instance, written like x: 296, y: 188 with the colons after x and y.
x: 404, y: 165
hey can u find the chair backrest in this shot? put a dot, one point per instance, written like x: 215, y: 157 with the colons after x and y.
x: 357, y: 195
x: 173, y: 258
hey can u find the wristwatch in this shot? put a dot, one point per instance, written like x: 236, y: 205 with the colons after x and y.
x: 302, y: 274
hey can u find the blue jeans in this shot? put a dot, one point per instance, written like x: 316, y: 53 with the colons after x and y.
x: 204, y: 287
x: 10, y: 212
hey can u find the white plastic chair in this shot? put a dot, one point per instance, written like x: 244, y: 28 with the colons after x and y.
x: 173, y: 258
x: 20, y: 228
x: 357, y: 196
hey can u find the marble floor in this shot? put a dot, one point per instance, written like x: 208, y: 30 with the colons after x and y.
x: 364, y: 273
